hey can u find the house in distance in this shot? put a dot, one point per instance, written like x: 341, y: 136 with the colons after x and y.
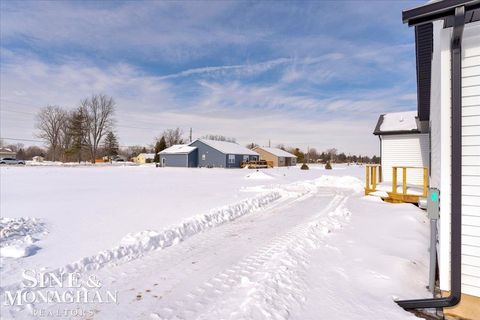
x: 143, y: 158
x: 179, y: 155
x: 207, y: 153
x: 276, y: 157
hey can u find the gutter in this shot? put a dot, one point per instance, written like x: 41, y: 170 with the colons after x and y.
x: 456, y: 160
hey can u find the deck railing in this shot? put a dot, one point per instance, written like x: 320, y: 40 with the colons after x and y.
x: 373, y: 175
x: 404, y: 180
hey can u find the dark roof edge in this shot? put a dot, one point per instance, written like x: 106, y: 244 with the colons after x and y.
x: 377, y: 130
x: 389, y: 133
x: 436, y: 10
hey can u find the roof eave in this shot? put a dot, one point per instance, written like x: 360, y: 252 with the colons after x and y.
x: 436, y: 10
x: 389, y: 133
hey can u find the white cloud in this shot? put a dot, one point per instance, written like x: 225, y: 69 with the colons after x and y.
x: 250, y: 70
x: 147, y: 105
x: 243, y: 69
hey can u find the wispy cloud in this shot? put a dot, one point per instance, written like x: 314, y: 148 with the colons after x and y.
x: 287, y: 71
x: 244, y: 69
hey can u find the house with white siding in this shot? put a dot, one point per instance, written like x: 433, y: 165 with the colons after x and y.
x: 404, y: 142
x: 447, y: 36
x: 402, y: 175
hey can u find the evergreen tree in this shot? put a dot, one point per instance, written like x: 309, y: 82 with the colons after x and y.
x: 111, y: 145
x: 160, y: 145
x: 78, y: 131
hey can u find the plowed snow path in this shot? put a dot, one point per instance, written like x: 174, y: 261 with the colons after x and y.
x: 229, y: 271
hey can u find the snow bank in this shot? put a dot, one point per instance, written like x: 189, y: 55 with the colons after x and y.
x: 343, y: 182
x: 259, y: 175
x: 76, y: 164
x: 17, y: 236
x: 19, y: 250
x: 134, y: 245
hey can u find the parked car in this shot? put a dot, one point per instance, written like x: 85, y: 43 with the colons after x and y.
x: 11, y: 161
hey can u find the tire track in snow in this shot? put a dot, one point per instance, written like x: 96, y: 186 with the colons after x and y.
x: 273, y: 198
x: 266, y: 284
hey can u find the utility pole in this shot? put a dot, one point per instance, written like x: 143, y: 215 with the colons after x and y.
x: 269, y: 145
x: 190, y: 134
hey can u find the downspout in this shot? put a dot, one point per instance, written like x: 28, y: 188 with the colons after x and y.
x: 456, y: 165
x: 380, y: 169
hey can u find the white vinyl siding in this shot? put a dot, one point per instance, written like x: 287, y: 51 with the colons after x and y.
x: 471, y: 160
x: 411, y: 150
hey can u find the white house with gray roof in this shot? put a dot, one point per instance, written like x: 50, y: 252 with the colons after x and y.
x: 404, y: 142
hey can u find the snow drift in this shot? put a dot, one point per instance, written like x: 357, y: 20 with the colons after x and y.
x: 17, y: 236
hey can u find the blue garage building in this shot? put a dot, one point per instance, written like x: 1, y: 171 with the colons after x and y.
x: 222, y: 154
x: 179, y: 155
x: 207, y: 153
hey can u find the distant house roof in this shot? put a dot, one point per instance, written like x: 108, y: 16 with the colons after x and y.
x: 399, y: 123
x: 277, y: 152
x: 228, y: 147
x: 7, y: 150
x: 178, y: 149
x: 147, y: 155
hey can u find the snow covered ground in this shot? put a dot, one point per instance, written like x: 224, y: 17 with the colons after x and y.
x: 211, y: 243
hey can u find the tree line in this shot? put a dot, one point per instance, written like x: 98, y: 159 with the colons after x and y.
x: 87, y: 133
x: 329, y: 155
x: 83, y: 133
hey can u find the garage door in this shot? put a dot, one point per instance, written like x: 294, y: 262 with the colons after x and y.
x: 409, y: 150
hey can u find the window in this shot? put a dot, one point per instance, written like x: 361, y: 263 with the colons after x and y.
x: 231, y: 158
x: 203, y: 157
x: 245, y: 158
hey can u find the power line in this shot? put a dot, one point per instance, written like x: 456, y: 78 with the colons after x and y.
x: 40, y: 141
x: 21, y: 112
x: 19, y: 139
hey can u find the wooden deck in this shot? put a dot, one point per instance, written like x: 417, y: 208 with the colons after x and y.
x: 389, y: 191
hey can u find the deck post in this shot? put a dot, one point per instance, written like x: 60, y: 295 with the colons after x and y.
x: 367, y: 179
x: 404, y: 178
x: 394, y: 179
x: 425, y: 181
x: 374, y: 177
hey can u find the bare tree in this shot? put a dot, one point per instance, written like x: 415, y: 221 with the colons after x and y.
x: 313, y: 155
x: 219, y: 137
x: 98, y: 110
x: 332, y: 153
x: 33, y: 151
x: 173, y: 136
x: 49, y: 122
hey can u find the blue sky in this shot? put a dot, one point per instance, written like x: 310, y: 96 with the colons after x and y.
x: 303, y: 74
